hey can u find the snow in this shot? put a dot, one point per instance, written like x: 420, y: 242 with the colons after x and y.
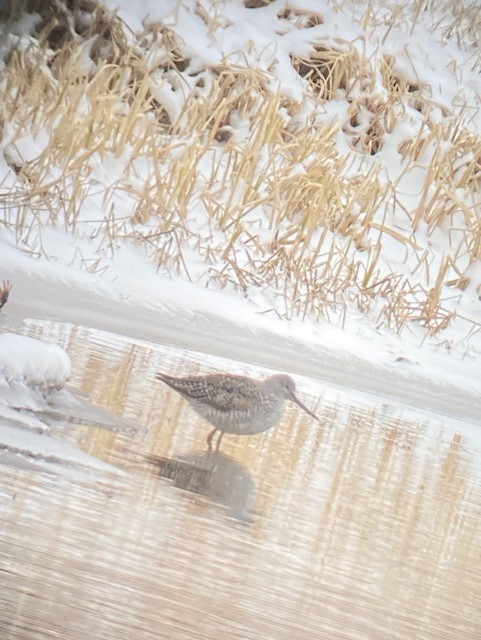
x: 32, y: 376
x: 32, y: 373
x: 48, y: 454
x: 29, y: 371
x: 27, y: 360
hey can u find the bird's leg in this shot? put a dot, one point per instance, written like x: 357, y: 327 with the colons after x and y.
x: 209, y: 438
x: 218, y: 442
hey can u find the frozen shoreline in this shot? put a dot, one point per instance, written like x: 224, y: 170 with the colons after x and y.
x: 382, y: 365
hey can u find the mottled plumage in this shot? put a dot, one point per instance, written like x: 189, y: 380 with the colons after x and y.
x: 236, y: 404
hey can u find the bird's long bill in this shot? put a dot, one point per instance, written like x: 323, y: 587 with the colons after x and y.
x: 303, y: 407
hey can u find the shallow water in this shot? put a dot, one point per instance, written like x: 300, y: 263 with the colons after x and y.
x: 366, y: 526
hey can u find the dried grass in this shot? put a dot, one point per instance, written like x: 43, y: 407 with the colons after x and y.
x: 284, y: 212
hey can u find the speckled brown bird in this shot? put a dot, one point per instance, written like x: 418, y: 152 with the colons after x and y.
x: 236, y: 404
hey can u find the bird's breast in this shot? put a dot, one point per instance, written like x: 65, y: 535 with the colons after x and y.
x: 255, y: 419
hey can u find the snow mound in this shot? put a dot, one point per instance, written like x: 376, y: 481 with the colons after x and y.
x: 32, y: 362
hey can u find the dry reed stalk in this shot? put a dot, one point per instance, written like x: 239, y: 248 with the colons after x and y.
x: 329, y: 70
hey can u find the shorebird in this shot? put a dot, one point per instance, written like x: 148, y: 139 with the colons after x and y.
x: 236, y: 404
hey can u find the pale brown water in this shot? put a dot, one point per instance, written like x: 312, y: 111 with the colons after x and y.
x: 367, y: 526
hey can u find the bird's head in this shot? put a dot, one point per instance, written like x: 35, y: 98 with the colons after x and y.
x: 285, y: 386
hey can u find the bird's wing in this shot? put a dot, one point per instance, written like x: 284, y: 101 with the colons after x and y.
x: 232, y: 393
x: 219, y: 391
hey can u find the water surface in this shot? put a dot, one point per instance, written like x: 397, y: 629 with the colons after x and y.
x: 366, y: 526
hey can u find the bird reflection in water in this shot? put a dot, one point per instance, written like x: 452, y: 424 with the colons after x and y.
x: 216, y: 477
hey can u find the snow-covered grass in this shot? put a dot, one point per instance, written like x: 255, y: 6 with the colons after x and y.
x: 321, y: 160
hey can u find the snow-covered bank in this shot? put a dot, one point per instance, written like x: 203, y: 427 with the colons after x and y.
x: 30, y: 370
x: 29, y: 361
x: 162, y: 311
x: 318, y: 160
x: 33, y: 374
